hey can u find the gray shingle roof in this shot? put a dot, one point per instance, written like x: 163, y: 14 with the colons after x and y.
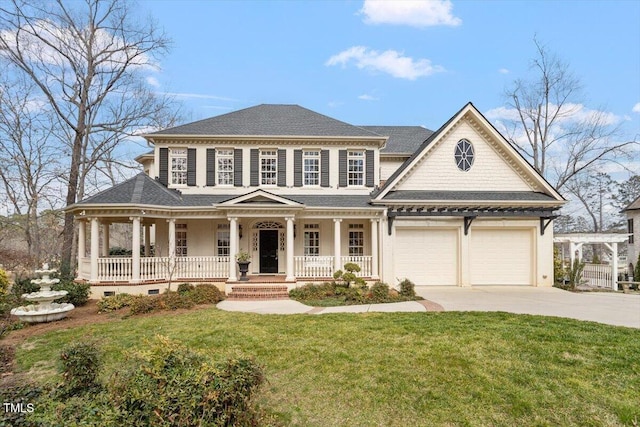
x: 402, y: 139
x: 270, y: 120
x: 523, y: 196
x: 633, y: 206
x: 142, y: 190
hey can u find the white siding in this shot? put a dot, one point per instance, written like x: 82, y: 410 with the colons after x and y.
x: 438, y: 170
x: 388, y: 167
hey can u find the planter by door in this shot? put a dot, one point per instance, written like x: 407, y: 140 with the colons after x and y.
x: 244, y: 267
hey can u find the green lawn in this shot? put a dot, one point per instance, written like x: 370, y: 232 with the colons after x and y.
x: 403, y: 369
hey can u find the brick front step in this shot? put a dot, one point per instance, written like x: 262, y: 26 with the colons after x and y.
x: 256, y: 292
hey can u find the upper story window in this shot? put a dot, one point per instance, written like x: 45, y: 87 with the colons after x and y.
x: 630, y: 229
x: 178, y: 165
x: 355, y: 168
x: 224, y: 168
x: 311, y: 167
x: 269, y: 167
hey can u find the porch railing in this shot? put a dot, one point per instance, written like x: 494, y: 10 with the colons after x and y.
x: 313, y: 266
x: 364, y: 261
x: 117, y: 269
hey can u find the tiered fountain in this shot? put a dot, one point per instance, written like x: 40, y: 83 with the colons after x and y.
x: 44, y: 309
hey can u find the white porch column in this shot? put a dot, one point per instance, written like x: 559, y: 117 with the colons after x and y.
x: 336, y: 244
x: 172, y: 246
x: 374, y: 249
x: 95, y: 249
x: 290, y: 276
x: 614, y: 265
x: 105, y: 239
x: 147, y: 240
x: 233, y: 248
x: 82, y: 239
x: 135, y: 250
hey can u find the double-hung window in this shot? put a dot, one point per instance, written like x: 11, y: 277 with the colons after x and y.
x: 178, y: 166
x: 355, y: 168
x: 181, y: 240
x: 356, y: 239
x: 311, y: 240
x: 311, y: 167
x: 630, y: 229
x: 269, y: 167
x: 224, y: 159
x: 223, y: 238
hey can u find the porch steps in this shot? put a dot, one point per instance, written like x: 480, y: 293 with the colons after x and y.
x: 258, y: 292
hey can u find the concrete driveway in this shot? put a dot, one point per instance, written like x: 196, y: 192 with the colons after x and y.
x: 604, y: 307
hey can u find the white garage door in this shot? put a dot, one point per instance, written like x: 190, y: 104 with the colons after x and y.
x: 426, y: 257
x: 501, y: 257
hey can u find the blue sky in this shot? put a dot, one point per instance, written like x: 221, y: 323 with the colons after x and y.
x: 370, y: 63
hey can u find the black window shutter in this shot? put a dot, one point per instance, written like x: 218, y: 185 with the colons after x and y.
x: 164, y: 166
x: 255, y: 171
x: 211, y: 166
x: 297, y: 168
x: 324, y: 168
x: 282, y: 168
x: 369, y: 175
x: 191, y: 167
x: 237, y: 167
x: 342, y: 171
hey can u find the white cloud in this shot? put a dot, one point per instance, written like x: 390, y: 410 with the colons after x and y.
x: 503, y: 71
x: 367, y: 97
x: 636, y: 108
x: 390, y: 61
x: 424, y: 13
x: 152, y: 81
x: 570, y: 113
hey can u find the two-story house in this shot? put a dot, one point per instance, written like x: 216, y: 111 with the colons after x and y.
x: 633, y: 228
x: 304, y: 194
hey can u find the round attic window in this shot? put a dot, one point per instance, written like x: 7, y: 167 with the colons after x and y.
x: 464, y: 155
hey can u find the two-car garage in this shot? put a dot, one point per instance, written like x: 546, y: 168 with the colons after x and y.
x: 448, y: 257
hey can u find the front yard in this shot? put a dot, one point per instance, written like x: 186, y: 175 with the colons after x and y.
x: 419, y: 369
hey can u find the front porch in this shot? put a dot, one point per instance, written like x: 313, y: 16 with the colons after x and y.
x: 119, y: 269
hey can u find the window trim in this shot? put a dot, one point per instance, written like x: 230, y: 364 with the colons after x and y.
x: 220, y: 231
x: 175, y: 154
x: 356, y: 155
x: 228, y: 155
x: 630, y: 230
x: 182, y: 243
x: 268, y: 154
x: 356, y: 229
x: 311, y: 240
x: 311, y: 154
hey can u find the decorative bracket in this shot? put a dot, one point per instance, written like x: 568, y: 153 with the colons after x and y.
x: 390, y: 223
x: 467, y: 223
x: 545, y: 221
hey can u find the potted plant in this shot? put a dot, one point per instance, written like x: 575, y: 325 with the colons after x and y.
x: 243, y: 259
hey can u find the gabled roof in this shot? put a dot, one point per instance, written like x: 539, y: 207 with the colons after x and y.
x: 633, y: 206
x: 259, y: 197
x: 405, y: 168
x: 402, y: 139
x: 269, y: 120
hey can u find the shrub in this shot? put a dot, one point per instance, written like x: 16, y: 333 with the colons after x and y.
x: 23, y: 285
x: 379, y: 292
x: 636, y: 274
x: 78, y: 293
x: 24, y: 393
x: 80, y: 365
x: 168, y: 384
x: 173, y: 301
x: 313, y: 292
x: 206, y: 294
x: 348, y: 276
x: 141, y: 304
x: 4, y: 282
x: 574, y: 273
x: 115, y: 302
x: 184, y: 288
x: 407, y: 288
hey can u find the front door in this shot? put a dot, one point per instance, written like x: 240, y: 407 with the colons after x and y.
x: 268, y: 251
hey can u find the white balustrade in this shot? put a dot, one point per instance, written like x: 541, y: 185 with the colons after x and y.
x: 114, y: 269
x: 313, y: 266
x: 117, y: 269
x: 201, y: 267
x: 363, y: 261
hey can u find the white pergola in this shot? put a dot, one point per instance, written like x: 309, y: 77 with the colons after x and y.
x: 609, y: 240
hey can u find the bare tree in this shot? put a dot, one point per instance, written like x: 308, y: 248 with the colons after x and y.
x: 595, y: 192
x: 550, y: 125
x: 28, y: 159
x: 88, y: 59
